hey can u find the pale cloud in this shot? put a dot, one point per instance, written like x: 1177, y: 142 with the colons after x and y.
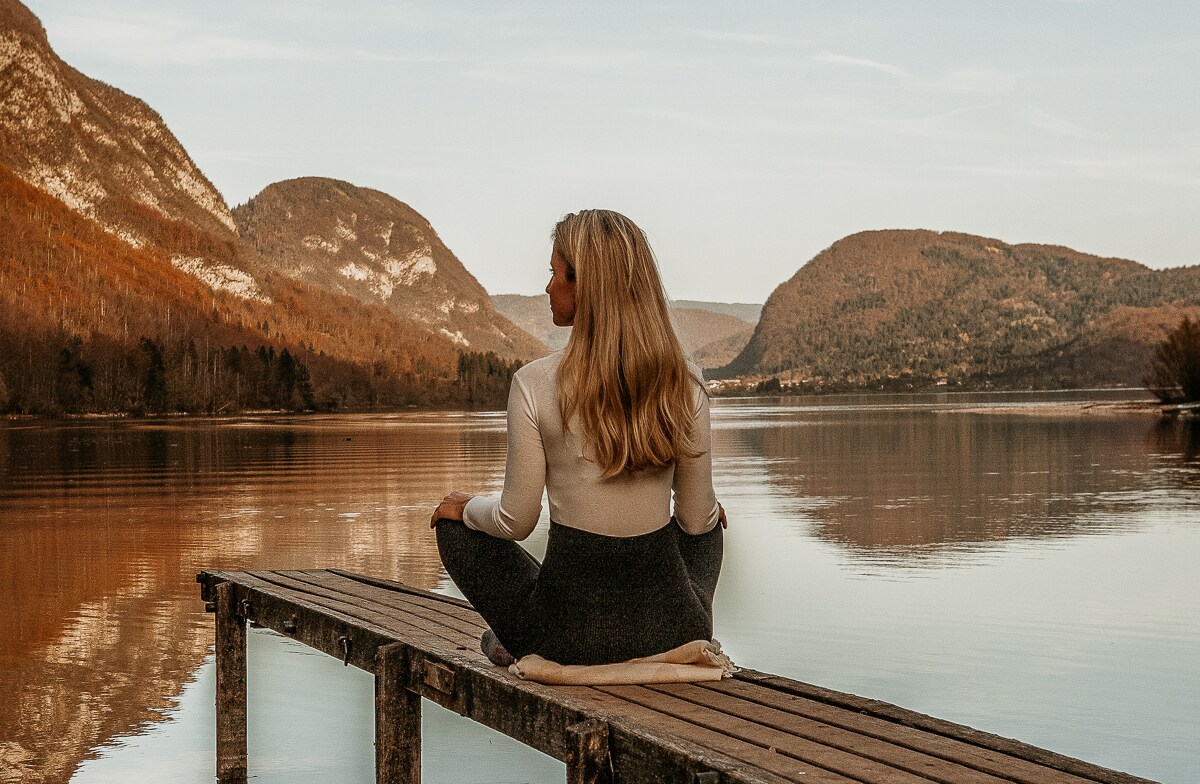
x: 970, y: 80
x: 858, y: 62
x: 149, y: 39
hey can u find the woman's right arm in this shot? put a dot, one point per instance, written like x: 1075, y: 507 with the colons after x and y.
x: 515, y: 514
x: 696, y: 507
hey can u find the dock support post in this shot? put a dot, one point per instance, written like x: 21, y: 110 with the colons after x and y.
x: 397, y: 719
x: 231, y: 688
x: 587, y: 753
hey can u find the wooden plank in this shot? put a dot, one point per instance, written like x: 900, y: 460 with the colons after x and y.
x: 318, y: 627
x: 432, y: 606
x: 948, y: 729
x: 833, y: 759
x: 397, y: 720
x: 1018, y: 770
x: 450, y: 604
x: 231, y: 687
x: 406, y: 602
x: 869, y: 747
x: 350, y: 606
x: 776, y: 766
x: 398, y: 606
x: 393, y: 585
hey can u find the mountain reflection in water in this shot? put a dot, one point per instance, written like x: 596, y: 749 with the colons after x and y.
x: 920, y: 488
x: 103, y: 526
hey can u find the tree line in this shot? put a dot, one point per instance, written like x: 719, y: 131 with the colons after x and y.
x: 54, y: 375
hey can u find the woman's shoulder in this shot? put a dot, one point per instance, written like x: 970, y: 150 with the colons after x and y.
x: 540, y: 371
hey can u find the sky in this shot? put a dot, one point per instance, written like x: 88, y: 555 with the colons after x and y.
x: 744, y: 138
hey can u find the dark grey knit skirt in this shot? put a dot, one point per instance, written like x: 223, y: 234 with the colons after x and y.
x: 594, y: 599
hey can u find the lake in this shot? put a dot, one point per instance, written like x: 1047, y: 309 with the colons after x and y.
x: 1015, y: 562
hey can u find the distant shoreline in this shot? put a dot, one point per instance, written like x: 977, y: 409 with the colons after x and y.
x: 1033, y: 408
x: 1081, y: 407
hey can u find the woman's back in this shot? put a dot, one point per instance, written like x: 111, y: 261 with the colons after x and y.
x: 541, y: 452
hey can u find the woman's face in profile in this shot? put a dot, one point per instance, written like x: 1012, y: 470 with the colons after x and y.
x: 562, y: 292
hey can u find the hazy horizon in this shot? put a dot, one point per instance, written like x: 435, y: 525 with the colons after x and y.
x: 744, y: 140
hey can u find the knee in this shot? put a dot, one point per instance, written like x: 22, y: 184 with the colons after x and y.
x: 450, y: 536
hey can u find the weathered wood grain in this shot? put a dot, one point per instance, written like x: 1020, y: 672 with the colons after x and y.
x: 587, y: 753
x: 980, y: 758
x: 397, y: 719
x: 872, y: 707
x: 865, y: 747
x: 231, y: 686
x: 848, y: 764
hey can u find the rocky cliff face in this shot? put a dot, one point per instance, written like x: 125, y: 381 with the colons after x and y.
x: 104, y: 153
x: 884, y: 306
x: 370, y: 246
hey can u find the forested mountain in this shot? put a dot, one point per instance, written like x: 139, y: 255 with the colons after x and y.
x: 888, y: 307
x: 125, y: 284
x: 710, y: 336
x: 378, y: 250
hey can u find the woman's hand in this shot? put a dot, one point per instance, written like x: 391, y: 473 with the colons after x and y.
x: 721, y: 516
x: 451, y: 508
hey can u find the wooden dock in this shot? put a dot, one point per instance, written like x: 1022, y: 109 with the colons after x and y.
x: 754, y: 727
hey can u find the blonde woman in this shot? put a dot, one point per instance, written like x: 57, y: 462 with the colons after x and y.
x: 610, y: 427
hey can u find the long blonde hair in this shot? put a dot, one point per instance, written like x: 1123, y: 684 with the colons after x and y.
x: 623, y: 371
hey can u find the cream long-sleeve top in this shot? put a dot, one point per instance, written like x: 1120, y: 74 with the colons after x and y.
x: 542, y: 454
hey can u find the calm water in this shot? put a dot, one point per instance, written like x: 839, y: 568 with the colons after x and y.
x: 1031, y: 571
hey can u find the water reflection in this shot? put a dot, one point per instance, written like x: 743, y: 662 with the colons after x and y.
x: 1178, y: 436
x: 917, y: 486
x: 103, y: 526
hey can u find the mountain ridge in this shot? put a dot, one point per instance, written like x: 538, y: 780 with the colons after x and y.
x: 882, y: 306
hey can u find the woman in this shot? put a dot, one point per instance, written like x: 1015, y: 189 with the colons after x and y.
x: 610, y: 426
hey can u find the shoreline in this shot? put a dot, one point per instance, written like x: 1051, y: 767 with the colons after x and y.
x: 1079, y: 408
x: 1033, y: 408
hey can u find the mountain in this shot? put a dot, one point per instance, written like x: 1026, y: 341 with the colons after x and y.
x: 710, y: 336
x: 739, y: 310
x: 887, y: 307
x: 532, y: 314
x: 125, y: 284
x: 376, y: 249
